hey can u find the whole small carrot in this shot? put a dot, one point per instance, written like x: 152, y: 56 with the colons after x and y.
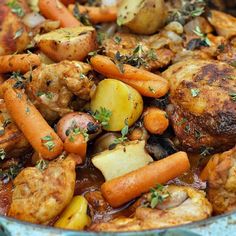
x: 97, y: 14
x: 147, y: 83
x: 55, y: 10
x: 18, y: 62
x: 35, y: 128
x: 127, y: 187
x: 155, y: 120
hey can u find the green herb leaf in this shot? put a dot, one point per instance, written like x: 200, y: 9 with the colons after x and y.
x: 158, y: 195
x: 16, y: 8
x: 83, y: 18
x: 2, y: 154
x: 195, y: 92
x: 48, y: 142
x: 42, y: 165
x: 103, y: 116
x: 18, y: 33
x: 233, y: 96
x: 202, y: 36
x: 117, y: 39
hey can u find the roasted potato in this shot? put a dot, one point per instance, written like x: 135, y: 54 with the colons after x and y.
x: 142, y: 16
x: 124, y: 102
x: 67, y: 43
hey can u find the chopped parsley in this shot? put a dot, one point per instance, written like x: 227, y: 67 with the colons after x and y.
x: 77, y: 131
x: 233, y: 96
x: 103, y: 116
x: 181, y: 122
x: 42, y: 165
x: 48, y: 142
x: 48, y: 95
x: 158, y: 195
x: 195, y: 92
x: 151, y: 89
x: 16, y: 8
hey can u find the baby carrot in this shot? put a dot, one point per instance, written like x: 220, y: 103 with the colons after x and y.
x: 127, y: 187
x: 37, y: 131
x: 147, y: 83
x: 76, y: 143
x: 155, y: 120
x: 55, y: 10
x: 18, y: 62
x: 97, y: 14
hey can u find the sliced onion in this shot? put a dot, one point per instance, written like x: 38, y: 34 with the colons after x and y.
x: 33, y: 19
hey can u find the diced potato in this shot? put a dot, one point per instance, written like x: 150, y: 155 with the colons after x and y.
x: 142, y: 16
x: 123, y: 101
x: 67, y: 43
x: 75, y: 215
x: 122, y: 159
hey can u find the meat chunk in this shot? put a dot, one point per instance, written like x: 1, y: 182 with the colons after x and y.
x: 222, y: 181
x: 12, y: 140
x: 52, y: 87
x: 139, y: 51
x: 203, y: 108
x: 13, y: 34
x: 40, y: 195
x: 184, y: 205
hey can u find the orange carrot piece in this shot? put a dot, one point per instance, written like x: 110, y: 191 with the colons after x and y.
x: 155, y: 120
x: 97, y: 14
x: 211, y: 165
x: 29, y: 120
x: 127, y: 187
x: 55, y: 10
x: 147, y: 83
x: 18, y: 62
x: 76, y: 143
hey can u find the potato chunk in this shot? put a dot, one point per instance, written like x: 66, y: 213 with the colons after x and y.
x: 122, y: 160
x: 67, y: 43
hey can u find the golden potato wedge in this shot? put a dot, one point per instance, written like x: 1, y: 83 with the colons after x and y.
x: 67, y: 43
x: 142, y: 16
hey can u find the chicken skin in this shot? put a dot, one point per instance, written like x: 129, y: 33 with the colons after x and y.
x: 52, y: 87
x: 41, y: 195
x: 12, y: 140
x: 13, y: 34
x: 203, y: 107
x: 184, y: 205
x: 221, y: 175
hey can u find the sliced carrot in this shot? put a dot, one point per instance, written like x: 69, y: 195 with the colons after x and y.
x: 97, y: 14
x: 35, y: 128
x: 55, y: 10
x: 76, y: 143
x: 127, y: 187
x: 155, y: 120
x: 18, y: 62
x: 147, y: 83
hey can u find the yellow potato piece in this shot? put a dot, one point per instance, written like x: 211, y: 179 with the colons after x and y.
x: 75, y: 215
x: 123, y: 101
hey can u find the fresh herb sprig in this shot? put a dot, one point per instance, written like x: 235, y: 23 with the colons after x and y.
x: 158, y: 195
x: 103, y: 115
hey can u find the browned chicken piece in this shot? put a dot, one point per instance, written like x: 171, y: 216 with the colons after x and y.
x: 149, y: 53
x: 221, y: 176
x: 41, y: 195
x: 13, y: 34
x: 224, y: 24
x: 203, y: 108
x: 184, y: 205
x: 12, y: 141
x: 53, y: 87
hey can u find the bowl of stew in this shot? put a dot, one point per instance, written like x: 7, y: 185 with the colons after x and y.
x: 117, y: 117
